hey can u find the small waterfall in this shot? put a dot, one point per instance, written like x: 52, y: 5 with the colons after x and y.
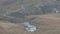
x: 30, y: 27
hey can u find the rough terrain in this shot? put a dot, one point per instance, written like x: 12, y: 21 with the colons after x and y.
x: 49, y: 24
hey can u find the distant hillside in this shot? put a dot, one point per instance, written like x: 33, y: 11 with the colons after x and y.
x: 24, y: 6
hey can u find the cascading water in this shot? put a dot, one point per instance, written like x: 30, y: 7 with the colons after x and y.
x: 29, y: 26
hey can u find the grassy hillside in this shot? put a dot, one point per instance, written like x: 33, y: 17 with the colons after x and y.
x: 49, y: 24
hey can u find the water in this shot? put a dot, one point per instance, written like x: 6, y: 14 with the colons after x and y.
x: 30, y: 27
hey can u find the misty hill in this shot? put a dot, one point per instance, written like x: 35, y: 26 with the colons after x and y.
x: 25, y: 6
x: 21, y: 8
